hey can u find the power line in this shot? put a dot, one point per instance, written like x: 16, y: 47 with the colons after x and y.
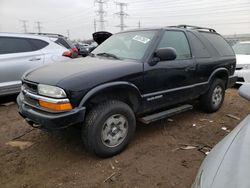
x: 195, y: 14
x: 179, y: 3
x: 121, y: 14
x: 101, y: 13
x: 139, y: 24
x: 24, y: 22
x: 201, y: 8
x: 39, y: 27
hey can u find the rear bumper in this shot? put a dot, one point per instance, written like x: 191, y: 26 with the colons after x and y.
x: 243, y: 76
x: 231, y: 81
x: 41, y: 119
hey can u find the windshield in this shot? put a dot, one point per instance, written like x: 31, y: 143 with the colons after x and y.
x: 242, y: 48
x: 129, y: 45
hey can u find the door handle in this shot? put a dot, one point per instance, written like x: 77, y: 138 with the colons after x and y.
x: 190, y: 68
x: 35, y: 59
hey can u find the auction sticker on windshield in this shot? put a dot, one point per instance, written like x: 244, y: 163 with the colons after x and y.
x: 142, y: 39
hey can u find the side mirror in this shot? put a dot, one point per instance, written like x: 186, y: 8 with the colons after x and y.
x: 164, y: 54
x: 244, y: 91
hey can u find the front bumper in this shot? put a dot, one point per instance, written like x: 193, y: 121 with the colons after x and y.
x: 243, y: 76
x: 41, y: 119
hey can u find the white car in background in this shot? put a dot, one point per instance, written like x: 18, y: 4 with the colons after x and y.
x: 242, y: 51
x: 21, y: 52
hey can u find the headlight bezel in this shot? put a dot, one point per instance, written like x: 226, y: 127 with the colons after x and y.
x: 51, y: 91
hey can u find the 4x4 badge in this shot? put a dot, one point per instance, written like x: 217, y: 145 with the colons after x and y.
x: 155, y: 97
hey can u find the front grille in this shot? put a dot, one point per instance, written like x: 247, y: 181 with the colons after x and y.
x: 30, y: 87
x: 30, y: 101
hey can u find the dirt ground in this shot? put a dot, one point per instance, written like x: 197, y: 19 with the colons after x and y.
x: 58, y: 159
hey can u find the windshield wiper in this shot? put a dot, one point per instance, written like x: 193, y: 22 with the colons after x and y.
x: 108, y: 55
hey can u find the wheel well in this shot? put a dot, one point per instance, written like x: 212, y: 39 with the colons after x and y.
x: 128, y: 96
x: 223, y: 75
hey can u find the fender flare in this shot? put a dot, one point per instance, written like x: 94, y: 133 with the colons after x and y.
x: 98, y: 88
x: 216, y: 71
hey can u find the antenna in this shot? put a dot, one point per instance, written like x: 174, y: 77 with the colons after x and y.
x: 68, y: 33
x: 94, y: 25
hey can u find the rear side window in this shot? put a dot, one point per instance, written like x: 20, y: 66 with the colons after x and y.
x: 219, y: 43
x: 178, y: 41
x: 10, y: 45
x: 63, y: 43
x: 199, y: 50
x: 38, y: 44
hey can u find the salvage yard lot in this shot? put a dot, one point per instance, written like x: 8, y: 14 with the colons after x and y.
x: 153, y: 159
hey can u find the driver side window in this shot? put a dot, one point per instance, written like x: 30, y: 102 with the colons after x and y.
x: 178, y: 41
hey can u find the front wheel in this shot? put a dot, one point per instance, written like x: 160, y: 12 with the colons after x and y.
x: 213, y: 99
x: 108, y: 128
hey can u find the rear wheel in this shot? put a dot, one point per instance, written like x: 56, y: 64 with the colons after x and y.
x: 108, y: 128
x: 213, y: 99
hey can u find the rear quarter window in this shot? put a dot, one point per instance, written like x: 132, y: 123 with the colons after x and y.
x: 219, y: 43
x: 63, y: 42
x: 38, y: 44
x: 199, y: 49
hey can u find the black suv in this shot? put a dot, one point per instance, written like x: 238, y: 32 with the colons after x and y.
x: 144, y: 75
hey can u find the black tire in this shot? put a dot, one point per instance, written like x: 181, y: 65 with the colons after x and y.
x: 96, y: 121
x: 207, y: 101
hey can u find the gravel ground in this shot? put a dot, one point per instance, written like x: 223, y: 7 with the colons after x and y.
x: 153, y: 159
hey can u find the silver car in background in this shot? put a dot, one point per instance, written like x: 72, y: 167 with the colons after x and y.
x: 21, y: 52
x: 228, y: 164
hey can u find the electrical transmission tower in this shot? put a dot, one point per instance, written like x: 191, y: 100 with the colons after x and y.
x: 121, y: 14
x: 24, y: 22
x: 139, y: 24
x: 101, y: 13
x: 39, y: 27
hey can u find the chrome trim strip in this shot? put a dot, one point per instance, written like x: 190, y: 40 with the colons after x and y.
x: 174, y: 89
x: 46, y: 99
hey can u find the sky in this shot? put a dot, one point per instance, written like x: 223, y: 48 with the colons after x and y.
x: 77, y: 16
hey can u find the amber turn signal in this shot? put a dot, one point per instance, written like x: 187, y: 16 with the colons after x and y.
x: 54, y: 106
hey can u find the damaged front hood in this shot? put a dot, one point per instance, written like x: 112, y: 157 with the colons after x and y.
x: 83, y: 72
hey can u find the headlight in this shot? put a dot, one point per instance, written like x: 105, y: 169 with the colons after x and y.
x: 51, y: 91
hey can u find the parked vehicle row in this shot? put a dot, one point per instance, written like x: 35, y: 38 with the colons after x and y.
x: 21, y: 52
x: 84, y: 49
